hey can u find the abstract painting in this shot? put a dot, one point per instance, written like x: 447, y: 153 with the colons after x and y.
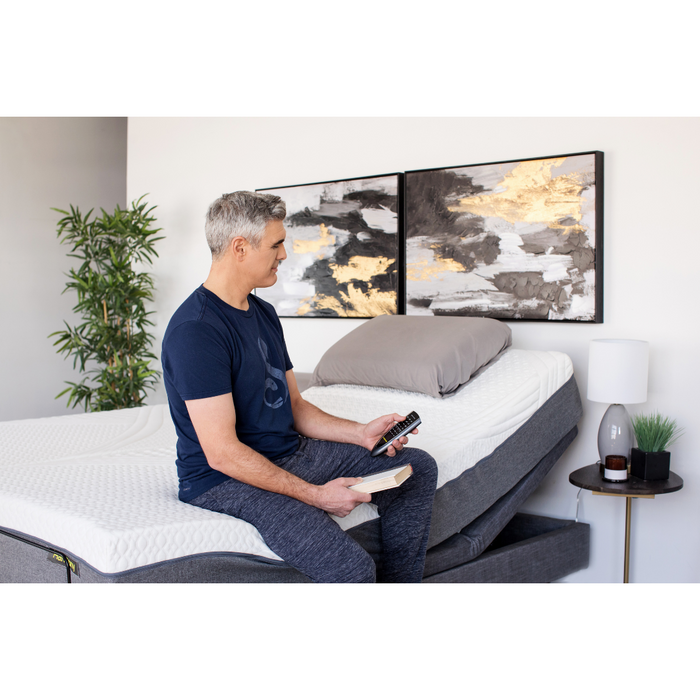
x: 343, y: 249
x: 517, y: 240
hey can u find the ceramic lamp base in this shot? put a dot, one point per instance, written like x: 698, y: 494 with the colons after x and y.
x: 615, y: 435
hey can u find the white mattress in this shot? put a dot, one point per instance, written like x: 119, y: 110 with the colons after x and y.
x: 103, y: 486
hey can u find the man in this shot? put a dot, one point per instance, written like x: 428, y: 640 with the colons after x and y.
x: 250, y: 446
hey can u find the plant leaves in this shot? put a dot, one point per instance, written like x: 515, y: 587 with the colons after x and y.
x: 114, y: 356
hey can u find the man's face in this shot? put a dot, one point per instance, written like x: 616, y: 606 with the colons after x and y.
x: 264, y: 261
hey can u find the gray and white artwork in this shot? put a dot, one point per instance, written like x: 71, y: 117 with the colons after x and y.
x: 342, y: 249
x: 512, y: 240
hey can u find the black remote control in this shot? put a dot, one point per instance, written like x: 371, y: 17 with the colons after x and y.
x: 399, y: 430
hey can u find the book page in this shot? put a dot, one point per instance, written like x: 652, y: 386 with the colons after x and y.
x: 389, y: 473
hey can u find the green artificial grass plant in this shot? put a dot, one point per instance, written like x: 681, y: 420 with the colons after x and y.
x: 655, y: 433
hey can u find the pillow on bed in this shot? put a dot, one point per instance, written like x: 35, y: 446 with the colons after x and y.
x: 432, y: 355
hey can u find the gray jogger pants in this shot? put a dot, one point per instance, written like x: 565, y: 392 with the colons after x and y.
x: 311, y: 541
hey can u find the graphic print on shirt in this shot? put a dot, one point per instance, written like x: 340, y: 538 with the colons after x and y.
x: 270, y: 383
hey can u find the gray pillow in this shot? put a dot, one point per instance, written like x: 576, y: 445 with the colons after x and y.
x: 432, y: 355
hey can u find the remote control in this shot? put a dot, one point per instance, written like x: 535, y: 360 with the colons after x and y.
x: 399, y: 430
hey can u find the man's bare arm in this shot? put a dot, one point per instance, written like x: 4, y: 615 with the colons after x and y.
x: 311, y: 421
x: 214, y: 421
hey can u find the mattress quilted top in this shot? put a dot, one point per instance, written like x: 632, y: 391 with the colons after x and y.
x: 103, y: 486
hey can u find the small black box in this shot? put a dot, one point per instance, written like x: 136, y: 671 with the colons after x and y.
x: 650, y: 466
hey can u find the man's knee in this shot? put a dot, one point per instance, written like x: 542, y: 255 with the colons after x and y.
x: 424, y: 467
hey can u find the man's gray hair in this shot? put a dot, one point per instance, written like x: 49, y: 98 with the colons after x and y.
x: 241, y: 214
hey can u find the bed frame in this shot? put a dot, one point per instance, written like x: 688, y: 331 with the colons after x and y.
x: 477, y: 534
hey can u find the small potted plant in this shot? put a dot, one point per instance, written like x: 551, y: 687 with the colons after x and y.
x: 651, y: 460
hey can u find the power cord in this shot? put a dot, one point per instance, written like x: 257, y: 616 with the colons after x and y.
x: 578, y: 496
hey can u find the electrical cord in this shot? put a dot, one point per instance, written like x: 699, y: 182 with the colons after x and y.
x: 578, y: 496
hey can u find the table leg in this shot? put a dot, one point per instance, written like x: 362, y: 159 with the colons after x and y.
x: 628, y: 527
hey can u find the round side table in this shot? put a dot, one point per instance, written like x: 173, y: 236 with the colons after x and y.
x: 590, y: 478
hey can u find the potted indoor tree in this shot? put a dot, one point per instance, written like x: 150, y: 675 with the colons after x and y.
x: 111, y: 346
x: 655, y: 433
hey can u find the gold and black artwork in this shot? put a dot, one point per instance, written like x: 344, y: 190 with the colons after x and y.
x: 343, y: 244
x: 517, y: 240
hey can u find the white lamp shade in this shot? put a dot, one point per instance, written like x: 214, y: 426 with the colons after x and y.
x: 618, y: 371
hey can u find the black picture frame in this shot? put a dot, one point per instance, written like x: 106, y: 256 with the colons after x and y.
x: 516, y: 240
x: 345, y: 246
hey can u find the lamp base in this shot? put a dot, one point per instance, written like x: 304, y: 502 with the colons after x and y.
x: 615, y: 435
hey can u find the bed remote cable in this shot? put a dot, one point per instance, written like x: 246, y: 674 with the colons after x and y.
x: 399, y: 430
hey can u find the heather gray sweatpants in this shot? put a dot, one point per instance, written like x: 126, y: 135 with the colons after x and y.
x: 311, y: 541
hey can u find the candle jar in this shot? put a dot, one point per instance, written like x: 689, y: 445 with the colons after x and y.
x: 615, y: 468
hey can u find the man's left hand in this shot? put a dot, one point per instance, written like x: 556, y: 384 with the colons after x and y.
x: 372, y: 431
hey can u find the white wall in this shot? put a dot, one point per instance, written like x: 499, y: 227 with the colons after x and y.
x: 651, y: 251
x: 44, y: 163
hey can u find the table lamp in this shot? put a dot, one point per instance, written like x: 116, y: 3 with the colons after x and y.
x: 617, y: 374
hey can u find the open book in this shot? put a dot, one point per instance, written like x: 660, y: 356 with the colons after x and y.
x: 381, y: 481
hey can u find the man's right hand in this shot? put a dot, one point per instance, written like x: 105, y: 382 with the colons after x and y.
x: 337, y: 499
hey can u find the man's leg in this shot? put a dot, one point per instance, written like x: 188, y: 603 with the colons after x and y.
x: 405, y: 514
x: 404, y: 511
x: 305, y: 537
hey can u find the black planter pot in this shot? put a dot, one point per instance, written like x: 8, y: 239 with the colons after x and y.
x: 650, y: 466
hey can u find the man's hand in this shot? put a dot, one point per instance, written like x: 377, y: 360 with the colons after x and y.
x: 372, y: 431
x: 337, y: 499
x: 311, y: 421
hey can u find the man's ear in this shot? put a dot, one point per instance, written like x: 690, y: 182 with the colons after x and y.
x: 239, y: 247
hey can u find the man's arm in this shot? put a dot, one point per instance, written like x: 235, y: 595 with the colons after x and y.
x: 312, y: 422
x: 214, y: 421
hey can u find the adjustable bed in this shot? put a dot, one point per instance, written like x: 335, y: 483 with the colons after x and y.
x: 93, y: 498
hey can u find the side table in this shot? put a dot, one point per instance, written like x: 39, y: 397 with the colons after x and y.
x: 591, y: 479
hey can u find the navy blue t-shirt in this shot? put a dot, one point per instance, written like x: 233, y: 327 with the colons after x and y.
x: 210, y: 349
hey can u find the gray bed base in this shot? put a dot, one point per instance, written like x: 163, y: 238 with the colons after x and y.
x: 477, y: 534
